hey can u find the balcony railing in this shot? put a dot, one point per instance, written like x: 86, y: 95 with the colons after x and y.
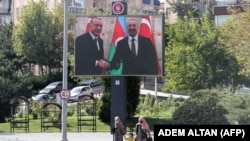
x: 232, y: 2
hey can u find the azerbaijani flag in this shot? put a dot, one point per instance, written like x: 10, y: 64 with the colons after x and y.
x: 146, y: 31
x: 118, y: 34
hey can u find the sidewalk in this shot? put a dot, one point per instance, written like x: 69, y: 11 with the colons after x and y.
x: 71, y: 136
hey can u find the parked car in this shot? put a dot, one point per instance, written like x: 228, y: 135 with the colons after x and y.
x: 78, y: 91
x: 43, y: 98
x: 54, y: 88
x: 92, y: 83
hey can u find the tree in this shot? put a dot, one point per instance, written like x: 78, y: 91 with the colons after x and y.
x: 34, y: 35
x: 202, y: 108
x: 234, y: 37
x: 11, y: 82
x: 133, y: 93
x: 10, y: 64
x: 184, y: 8
x: 193, y: 59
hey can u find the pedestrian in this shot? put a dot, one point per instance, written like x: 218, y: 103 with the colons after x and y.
x: 130, y: 137
x: 135, y: 52
x: 89, y: 52
x: 142, y: 129
x: 118, y: 129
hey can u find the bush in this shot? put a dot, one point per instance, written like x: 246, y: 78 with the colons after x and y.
x: 105, y: 113
x: 201, y: 108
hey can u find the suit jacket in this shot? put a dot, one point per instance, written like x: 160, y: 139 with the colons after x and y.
x: 86, y: 54
x: 145, y: 63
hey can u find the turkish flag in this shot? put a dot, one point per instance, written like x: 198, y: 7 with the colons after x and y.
x: 146, y: 31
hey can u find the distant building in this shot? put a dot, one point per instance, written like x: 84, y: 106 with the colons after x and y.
x: 221, y: 14
x: 140, y: 6
x: 5, y: 11
x: 217, y: 7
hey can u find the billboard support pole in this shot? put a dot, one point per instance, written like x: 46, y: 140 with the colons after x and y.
x: 119, y: 83
x: 65, y: 72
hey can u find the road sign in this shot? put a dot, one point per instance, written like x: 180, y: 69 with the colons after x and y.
x: 65, y: 94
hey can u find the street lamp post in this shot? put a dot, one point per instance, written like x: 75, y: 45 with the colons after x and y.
x: 65, y: 72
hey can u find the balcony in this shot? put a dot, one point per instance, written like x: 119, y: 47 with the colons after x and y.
x: 220, y: 7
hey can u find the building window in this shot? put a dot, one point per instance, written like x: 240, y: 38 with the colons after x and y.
x: 1, y: 20
x: 17, y: 12
x: 146, y: 1
x: 168, y: 12
x: 1, y: 3
x: 55, y: 2
x: 47, y: 4
x: 80, y: 3
x: 101, y: 5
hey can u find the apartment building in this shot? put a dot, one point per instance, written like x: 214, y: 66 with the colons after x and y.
x: 221, y: 14
x: 171, y: 17
x: 5, y: 14
x: 80, y: 6
x: 219, y: 9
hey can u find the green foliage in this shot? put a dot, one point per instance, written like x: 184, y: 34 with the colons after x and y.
x: 34, y: 35
x: 10, y: 63
x: 234, y: 37
x: 150, y: 106
x: 238, y: 107
x: 202, y: 107
x: 193, y: 59
x: 184, y: 8
x: 8, y: 89
x: 105, y: 112
x: 35, y: 109
x: 72, y: 110
x: 133, y: 93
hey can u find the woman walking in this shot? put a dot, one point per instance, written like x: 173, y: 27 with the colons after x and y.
x: 117, y: 129
x: 142, y: 129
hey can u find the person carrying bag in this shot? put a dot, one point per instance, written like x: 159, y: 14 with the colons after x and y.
x: 142, y: 130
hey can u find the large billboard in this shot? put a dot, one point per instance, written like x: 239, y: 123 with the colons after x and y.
x: 121, y: 45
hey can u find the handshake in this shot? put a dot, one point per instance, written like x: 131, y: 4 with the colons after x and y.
x: 104, y: 64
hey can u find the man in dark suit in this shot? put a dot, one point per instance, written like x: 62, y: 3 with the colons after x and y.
x: 89, y: 52
x: 135, y: 52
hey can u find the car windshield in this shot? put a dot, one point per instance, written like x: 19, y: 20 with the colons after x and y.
x: 52, y: 85
x: 76, y: 90
x: 86, y: 82
x: 38, y: 97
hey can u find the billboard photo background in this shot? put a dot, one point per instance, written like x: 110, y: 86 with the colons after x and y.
x: 110, y: 35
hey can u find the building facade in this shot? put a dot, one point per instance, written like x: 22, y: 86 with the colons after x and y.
x: 5, y: 11
x: 220, y: 9
x: 79, y: 6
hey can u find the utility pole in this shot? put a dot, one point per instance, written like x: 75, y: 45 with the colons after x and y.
x: 65, y: 72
